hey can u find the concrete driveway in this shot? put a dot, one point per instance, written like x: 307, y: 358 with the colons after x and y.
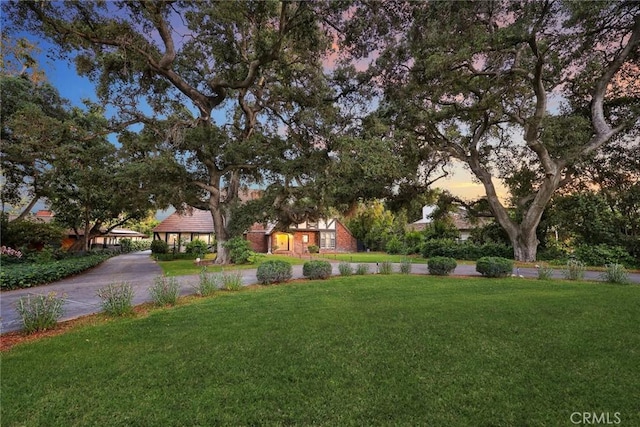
x: 140, y: 270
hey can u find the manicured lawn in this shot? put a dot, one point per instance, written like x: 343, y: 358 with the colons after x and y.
x: 367, y: 257
x: 358, y: 350
x: 185, y: 267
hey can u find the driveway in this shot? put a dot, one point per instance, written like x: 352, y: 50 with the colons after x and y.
x: 140, y: 270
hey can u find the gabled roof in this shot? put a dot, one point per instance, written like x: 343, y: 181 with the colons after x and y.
x: 196, y: 221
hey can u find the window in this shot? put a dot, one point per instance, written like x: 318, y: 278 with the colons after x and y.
x: 305, y: 238
x: 327, y: 240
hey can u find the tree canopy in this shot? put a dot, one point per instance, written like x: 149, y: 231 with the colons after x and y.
x: 324, y: 104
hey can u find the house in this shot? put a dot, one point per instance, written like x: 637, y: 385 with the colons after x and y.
x: 179, y: 229
x: 459, y: 218
x: 108, y: 239
x: 329, y: 235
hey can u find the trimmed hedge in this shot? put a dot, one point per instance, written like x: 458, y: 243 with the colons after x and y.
x: 441, y: 266
x: 274, y: 271
x: 316, y: 269
x: 464, y: 250
x: 18, y: 276
x: 494, y: 266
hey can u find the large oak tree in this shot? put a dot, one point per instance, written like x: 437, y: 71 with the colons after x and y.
x: 522, y: 91
x: 183, y: 61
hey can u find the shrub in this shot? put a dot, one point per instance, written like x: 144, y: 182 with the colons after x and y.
x: 441, y: 266
x: 197, y: 247
x: 544, y: 272
x: 395, y: 246
x: 313, y: 249
x: 494, y: 266
x: 405, y: 266
x: 274, y: 271
x: 164, y: 291
x: 615, y: 273
x: 385, y: 267
x: 116, y: 299
x: 575, y: 270
x: 159, y: 247
x: 239, y: 250
x: 316, y: 269
x: 208, y: 283
x: 126, y: 245
x: 26, y: 275
x: 362, y: 269
x: 231, y: 281
x: 40, y: 312
x: 599, y: 255
x: 345, y: 269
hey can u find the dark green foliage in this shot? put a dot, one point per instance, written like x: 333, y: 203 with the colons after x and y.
x: 239, y: 250
x: 159, y: 247
x: 126, y: 245
x: 464, y: 250
x: 601, y: 255
x: 316, y: 269
x: 441, y: 229
x: 26, y: 275
x: 197, y: 247
x: 395, y: 246
x: 494, y: 266
x: 313, y: 249
x: 441, y: 266
x: 18, y: 234
x: 274, y: 271
x: 413, y: 241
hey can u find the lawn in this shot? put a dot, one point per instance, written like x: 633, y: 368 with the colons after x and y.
x: 369, y: 257
x: 359, y: 350
x: 185, y: 267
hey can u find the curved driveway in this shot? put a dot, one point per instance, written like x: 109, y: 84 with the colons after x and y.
x: 140, y: 270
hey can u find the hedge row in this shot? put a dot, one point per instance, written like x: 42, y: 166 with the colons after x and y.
x: 464, y: 250
x: 19, y: 276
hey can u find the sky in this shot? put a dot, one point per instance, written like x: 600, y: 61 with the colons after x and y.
x: 63, y: 76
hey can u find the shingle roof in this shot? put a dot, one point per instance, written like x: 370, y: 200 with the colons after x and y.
x: 196, y: 221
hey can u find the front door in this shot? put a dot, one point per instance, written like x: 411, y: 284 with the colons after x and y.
x: 282, y: 241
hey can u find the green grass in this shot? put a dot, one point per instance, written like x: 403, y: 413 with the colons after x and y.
x: 369, y: 257
x: 186, y: 267
x: 372, y: 350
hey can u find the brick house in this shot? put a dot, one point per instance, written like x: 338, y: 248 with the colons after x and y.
x: 329, y: 235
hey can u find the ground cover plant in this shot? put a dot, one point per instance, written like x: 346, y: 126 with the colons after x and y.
x: 372, y: 350
x: 26, y: 275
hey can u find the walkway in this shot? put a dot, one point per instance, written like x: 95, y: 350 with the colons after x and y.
x: 140, y: 270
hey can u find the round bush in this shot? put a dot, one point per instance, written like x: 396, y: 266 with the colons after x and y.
x: 316, y: 269
x: 197, y: 247
x: 159, y: 247
x: 441, y: 266
x: 274, y: 271
x: 494, y: 266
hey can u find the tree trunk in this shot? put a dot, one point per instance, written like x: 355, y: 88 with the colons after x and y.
x: 525, y: 245
x: 220, y: 231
